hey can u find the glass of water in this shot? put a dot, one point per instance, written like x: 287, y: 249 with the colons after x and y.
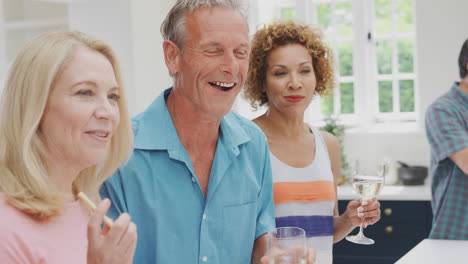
x: 287, y: 245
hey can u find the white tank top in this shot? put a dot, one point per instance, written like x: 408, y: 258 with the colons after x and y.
x: 305, y: 198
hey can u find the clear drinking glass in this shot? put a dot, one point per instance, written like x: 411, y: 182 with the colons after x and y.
x: 287, y: 245
x: 367, y: 182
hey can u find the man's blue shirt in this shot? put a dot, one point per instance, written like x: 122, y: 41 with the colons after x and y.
x: 160, y: 191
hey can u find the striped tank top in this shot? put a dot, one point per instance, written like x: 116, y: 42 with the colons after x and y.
x: 305, y: 198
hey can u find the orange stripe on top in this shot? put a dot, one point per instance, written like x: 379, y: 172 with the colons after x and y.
x: 303, y: 192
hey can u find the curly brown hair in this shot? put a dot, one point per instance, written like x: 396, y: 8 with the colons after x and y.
x: 279, y: 34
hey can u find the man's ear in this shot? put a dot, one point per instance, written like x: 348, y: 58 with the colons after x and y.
x: 171, y: 56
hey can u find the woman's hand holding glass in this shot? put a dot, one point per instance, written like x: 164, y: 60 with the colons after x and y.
x: 367, y: 182
x: 362, y: 211
x: 110, y: 245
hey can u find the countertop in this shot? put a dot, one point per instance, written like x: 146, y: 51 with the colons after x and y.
x: 391, y: 193
x: 431, y: 251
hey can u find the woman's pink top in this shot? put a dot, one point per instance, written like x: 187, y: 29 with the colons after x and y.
x: 60, y: 240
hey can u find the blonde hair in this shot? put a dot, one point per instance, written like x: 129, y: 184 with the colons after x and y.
x: 23, y: 155
x: 280, y: 34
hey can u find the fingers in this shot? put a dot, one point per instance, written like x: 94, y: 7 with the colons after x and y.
x: 95, y: 221
x: 275, y: 252
x: 110, y: 244
x: 363, y: 211
x: 362, y: 208
x: 300, y: 252
x: 128, y: 242
x: 370, y: 212
x: 353, y: 205
x: 368, y: 206
x: 311, y: 256
x: 297, y: 252
x: 105, y: 230
x: 117, y: 245
x: 357, y: 208
x: 116, y: 234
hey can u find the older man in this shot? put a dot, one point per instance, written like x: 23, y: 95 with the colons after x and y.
x: 199, y: 183
x: 447, y: 132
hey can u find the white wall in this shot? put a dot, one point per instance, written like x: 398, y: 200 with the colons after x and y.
x: 151, y: 76
x: 442, y: 29
x: 110, y: 21
x: 132, y: 29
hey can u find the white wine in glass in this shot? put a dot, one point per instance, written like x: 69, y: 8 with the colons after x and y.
x: 368, y: 186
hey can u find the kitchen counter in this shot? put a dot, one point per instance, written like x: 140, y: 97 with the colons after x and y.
x: 391, y: 193
x: 431, y: 251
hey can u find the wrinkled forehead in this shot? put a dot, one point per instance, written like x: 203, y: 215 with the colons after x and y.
x: 218, y: 11
x: 206, y: 20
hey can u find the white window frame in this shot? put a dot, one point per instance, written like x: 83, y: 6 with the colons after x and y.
x: 334, y: 41
x: 395, y: 77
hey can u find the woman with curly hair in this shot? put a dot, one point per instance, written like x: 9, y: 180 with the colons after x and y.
x: 289, y: 64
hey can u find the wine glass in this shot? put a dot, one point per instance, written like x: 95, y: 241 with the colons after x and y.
x: 367, y: 183
x: 287, y: 245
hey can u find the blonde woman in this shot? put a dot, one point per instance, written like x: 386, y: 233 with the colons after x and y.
x: 64, y: 129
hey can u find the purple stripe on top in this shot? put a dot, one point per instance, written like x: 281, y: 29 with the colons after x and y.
x: 314, y: 225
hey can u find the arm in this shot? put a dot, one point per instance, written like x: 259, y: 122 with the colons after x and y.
x: 448, y: 135
x: 460, y: 158
x: 342, y: 224
x: 345, y: 223
x: 259, y: 249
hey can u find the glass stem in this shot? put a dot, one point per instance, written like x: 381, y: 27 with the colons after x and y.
x: 361, y: 233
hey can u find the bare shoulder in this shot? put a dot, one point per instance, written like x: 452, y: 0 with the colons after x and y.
x: 333, y: 146
x: 260, y: 122
x: 257, y: 120
x: 330, y: 140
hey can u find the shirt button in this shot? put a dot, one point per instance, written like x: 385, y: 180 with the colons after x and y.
x: 205, y: 259
x: 204, y: 216
x: 193, y: 179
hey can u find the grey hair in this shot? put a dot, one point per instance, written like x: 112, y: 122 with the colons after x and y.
x: 173, y: 25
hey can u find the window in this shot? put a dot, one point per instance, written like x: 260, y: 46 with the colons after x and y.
x: 373, y: 42
x: 336, y: 20
x: 286, y: 10
x: 393, y: 39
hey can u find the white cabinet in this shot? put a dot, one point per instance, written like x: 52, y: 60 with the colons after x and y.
x: 21, y: 20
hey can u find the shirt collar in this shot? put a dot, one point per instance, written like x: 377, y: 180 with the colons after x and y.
x: 154, y: 128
